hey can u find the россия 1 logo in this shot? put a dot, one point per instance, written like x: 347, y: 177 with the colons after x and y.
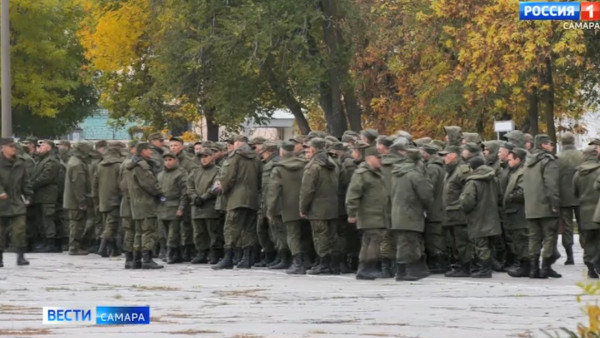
x: 585, y: 11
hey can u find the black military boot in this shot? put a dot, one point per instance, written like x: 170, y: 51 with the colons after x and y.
x: 276, y: 260
x: 213, y: 256
x: 162, y: 250
x: 462, y: 271
x: 57, y: 245
x: 286, y: 260
x: 570, y: 260
x: 268, y: 258
x: 226, y: 262
x: 44, y: 246
x: 496, y: 265
x: 201, y: 258
x: 21, y: 257
x: 534, y: 268
x: 297, y: 267
x: 366, y: 270
x: 148, y: 262
x: 335, y: 264
x: 129, y: 260
x: 521, y: 271
x: 439, y: 265
x: 137, y: 260
x: 386, y: 268
x: 322, y: 268
x: 103, y: 248
x: 113, y: 249
x: 244, y: 263
x: 171, y: 252
x: 344, y: 265
x: 237, y: 255
x: 546, y: 270
x: 1, y: 260
x: 591, y: 270
x: 485, y: 271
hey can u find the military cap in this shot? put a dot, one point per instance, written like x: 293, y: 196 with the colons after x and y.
x: 360, y: 145
x: 519, y: 152
x: 48, y: 142
x: 338, y: 146
x: 431, y: 148
x: 288, y: 145
x: 507, y: 145
x: 31, y: 139
x: 405, y: 134
x: 422, y: 141
x: 101, y: 144
x: 132, y: 144
x: 413, y: 153
x: 156, y: 136
x: 400, y: 143
x: 317, y: 143
x: 7, y: 141
x: 116, y: 145
x: 142, y: 146
x: 316, y: 133
x: 567, y: 138
x: 205, y: 152
x: 439, y: 143
x: 476, y: 162
x: 84, y: 147
x: 590, y: 152
x: 450, y: 149
x: 257, y: 140
x: 221, y: 146
x: 351, y: 133
x: 240, y: 138
x: 270, y: 146
x: 64, y: 143
x: 515, y: 137
x: 228, y: 139
x: 541, y: 139
x: 208, y: 144
x: 331, y: 139
x: 176, y: 139
x: 372, y: 151
x: 472, y: 137
x: 370, y: 134
x: 594, y: 142
x: 348, y: 138
x: 454, y: 134
x: 472, y: 147
x: 169, y: 154
x: 385, y: 140
x: 298, y: 139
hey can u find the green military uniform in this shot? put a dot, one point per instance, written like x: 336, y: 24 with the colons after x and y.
x: 32, y: 232
x: 125, y: 212
x: 240, y: 182
x: 411, y: 196
x: 186, y: 232
x: 568, y: 160
x: 76, y: 197
x: 515, y: 223
x: 266, y: 232
x: 172, y: 183
x: 94, y: 225
x: 349, y: 238
x: 479, y: 201
x: 542, y: 204
x: 435, y: 245
x: 584, y: 190
x: 319, y: 202
x: 283, y: 197
x: 368, y: 201
x: 106, y: 183
x: 44, y: 199
x: 62, y: 216
x: 388, y: 243
x: 15, y: 183
x: 145, y: 195
x: 208, y: 232
x: 500, y: 251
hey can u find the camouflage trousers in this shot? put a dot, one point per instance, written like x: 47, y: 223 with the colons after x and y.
x: 519, y: 243
x: 146, y: 234
x: 170, y: 231
x: 388, y: 245
x: 278, y: 233
x: 239, y: 230
x: 591, y: 246
x: 61, y: 221
x: 482, y: 248
x: 128, y: 233
x: 298, y: 235
x: 435, y: 244
x: 208, y: 234
x: 110, y: 221
x: 410, y: 246
x: 186, y: 227
x: 349, y: 237
x: 542, y: 237
x: 461, y: 247
x: 264, y: 233
x: 44, y: 217
x: 15, y: 226
x: 77, y: 222
x: 566, y: 219
x: 324, y: 234
x: 370, y: 244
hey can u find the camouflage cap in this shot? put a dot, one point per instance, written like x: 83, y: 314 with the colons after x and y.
x: 519, y: 152
x: 472, y: 137
x: 240, y: 138
x: 31, y: 140
x: 405, y: 134
x: 400, y: 143
x: 455, y: 135
x: 472, y: 147
x: 270, y: 146
x: 507, y: 145
x: 594, y: 142
x: 317, y: 143
x: 338, y: 146
x: 169, y: 154
x: 450, y: 149
x: 176, y: 139
x: 331, y: 139
x: 7, y: 141
x: 351, y: 133
x: 156, y: 136
x: 372, y: 151
x: 222, y: 146
x: 142, y: 146
x: 542, y: 139
x: 116, y: 145
x: 228, y: 139
x: 476, y: 162
x: 347, y: 138
x: 361, y: 145
x: 207, y: 144
x: 84, y: 148
x: 370, y: 134
x: 298, y: 139
x: 288, y: 146
x: 385, y: 141
x: 205, y: 152
x: 257, y: 140
x: 422, y: 141
x: 413, y: 153
x: 431, y: 148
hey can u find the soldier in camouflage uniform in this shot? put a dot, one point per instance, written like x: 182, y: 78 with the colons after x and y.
x: 273, y: 254
x: 127, y: 224
x: 76, y: 198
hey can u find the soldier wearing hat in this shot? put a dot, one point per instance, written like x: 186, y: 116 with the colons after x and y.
x: 64, y: 150
x: 76, y: 196
x: 94, y: 225
x: 568, y: 160
x: 585, y: 182
x: 171, y: 211
x: 368, y: 204
x: 319, y: 203
x: 208, y: 230
x: 145, y: 194
x: 298, y: 142
x: 45, y: 187
x: 127, y: 224
x: 257, y: 144
x: 239, y: 181
x: 15, y: 194
x: 369, y: 136
x: 157, y: 144
x: 283, y: 198
x: 542, y: 207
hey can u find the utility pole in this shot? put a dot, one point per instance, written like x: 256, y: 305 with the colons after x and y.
x: 6, y: 83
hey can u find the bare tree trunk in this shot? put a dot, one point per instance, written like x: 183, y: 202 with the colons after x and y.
x: 533, y: 112
x: 352, y: 110
x: 212, y: 128
x: 548, y: 98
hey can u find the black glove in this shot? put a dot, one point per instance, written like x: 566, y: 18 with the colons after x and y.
x: 199, y: 201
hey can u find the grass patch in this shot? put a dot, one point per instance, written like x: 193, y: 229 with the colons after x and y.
x: 193, y: 332
x: 24, y: 332
x: 249, y: 293
x: 154, y: 288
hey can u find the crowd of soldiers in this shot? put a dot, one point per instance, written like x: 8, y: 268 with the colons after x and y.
x: 380, y: 206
